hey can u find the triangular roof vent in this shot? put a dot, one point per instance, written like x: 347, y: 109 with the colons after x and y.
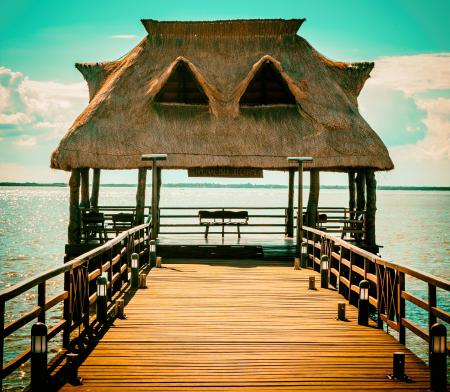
x: 267, y: 87
x: 182, y: 87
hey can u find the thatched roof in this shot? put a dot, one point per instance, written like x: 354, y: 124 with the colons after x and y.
x: 308, y: 102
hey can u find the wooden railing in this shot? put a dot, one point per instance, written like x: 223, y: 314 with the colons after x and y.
x: 339, y: 220
x: 78, y: 323
x: 388, y: 296
x: 262, y: 220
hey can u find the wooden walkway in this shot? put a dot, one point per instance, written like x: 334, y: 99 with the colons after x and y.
x: 244, y: 326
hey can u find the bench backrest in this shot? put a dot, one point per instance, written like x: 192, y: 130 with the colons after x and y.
x: 203, y: 214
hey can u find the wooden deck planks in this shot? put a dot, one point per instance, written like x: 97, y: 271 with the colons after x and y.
x: 251, y: 326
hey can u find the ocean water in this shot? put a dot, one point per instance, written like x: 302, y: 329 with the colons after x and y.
x: 412, y: 226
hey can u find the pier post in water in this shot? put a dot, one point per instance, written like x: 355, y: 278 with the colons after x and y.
x: 95, y: 188
x: 140, y: 195
x: 313, y: 199
x: 290, y: 208
x: 85, y: 188
x: 73, y: 235
x: 371, y: 207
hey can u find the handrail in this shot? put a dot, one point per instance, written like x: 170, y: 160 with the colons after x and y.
x: 78, y: 295
x: 425, y: 276
x: 388, y: 297
x: 27, y: 284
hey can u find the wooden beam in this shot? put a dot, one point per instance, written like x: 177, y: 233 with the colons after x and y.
x: 290, y: 208
x: 360, y: 190
x: 158, y: 196
x: 95, y: 188
x: 371, y: 208
x: 140, y: 195
x: 85, y: 187
x: 73, y: 232
x: 313, y: 200
x: 351, y: 192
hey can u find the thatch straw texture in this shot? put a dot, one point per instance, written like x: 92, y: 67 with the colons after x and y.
x: 123, y: 121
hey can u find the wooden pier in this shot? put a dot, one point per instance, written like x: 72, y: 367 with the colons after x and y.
x: 242, y: 325
x: 212, y: 324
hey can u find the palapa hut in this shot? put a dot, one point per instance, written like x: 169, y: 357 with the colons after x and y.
x: 224, y: 98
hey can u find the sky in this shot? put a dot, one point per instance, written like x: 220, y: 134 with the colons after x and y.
x: 406, y: 100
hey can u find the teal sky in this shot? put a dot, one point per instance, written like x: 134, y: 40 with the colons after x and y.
x: 43, y: 39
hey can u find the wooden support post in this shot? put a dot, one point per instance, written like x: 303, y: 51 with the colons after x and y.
x: 95, y: 188
x: 73, y: 235
x: 158, y: 198
x: 371, y: 208
x: 85, y: 188
x: 140, y: 195
x: 313, y: 200
x: 290, y: 208
x: 351, y: 193
x: 360, y: 190
x: 360, y: 195
x: 300, y: 209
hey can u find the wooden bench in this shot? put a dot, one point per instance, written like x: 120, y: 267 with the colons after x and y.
x: 223, y: 218
x: 122, y: 222
x: 93, y: 226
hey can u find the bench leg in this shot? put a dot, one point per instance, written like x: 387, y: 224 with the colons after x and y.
x: 223, y: 231
x: 239, y: 230
x: 206, y: 231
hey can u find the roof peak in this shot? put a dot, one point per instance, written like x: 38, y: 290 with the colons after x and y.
x: 231, y: 27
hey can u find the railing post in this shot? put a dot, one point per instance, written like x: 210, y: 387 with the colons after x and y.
x: 401, y: 307
x: 432, y: 301
x: 41, y: 302
x: 38, y: 356
x: 438, y: 358
x: 2, y: 340
x: 66, y: 310
x: 324, y: 268
x: 134, y: 271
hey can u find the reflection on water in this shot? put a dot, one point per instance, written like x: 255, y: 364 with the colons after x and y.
x: 412, y: 227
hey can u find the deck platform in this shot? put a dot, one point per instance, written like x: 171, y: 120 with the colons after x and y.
x: 241, y: 325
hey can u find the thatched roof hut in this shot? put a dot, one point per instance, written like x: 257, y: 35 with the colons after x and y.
x: 223, y: 94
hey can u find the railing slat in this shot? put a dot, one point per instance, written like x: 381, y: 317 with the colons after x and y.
x: 20, y: 322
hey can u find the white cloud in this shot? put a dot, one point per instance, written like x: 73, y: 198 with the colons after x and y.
x: 124, y: 36
x: 412, y: 74
x: 25, y: 141
x: 42, y: 108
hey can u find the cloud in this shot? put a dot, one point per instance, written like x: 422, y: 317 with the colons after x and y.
x: 25, y: 141
x: 124, y: 36
x: 425, y: 79
x: 42, y: 109
x: 412, y: 74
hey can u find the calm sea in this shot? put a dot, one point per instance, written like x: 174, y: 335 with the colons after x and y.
x: 412, y: 226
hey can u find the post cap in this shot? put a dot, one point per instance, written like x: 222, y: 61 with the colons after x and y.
x: 154, y: 157
x: 438, y: 330
x: 39, y: 329
x: 364, y: 284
